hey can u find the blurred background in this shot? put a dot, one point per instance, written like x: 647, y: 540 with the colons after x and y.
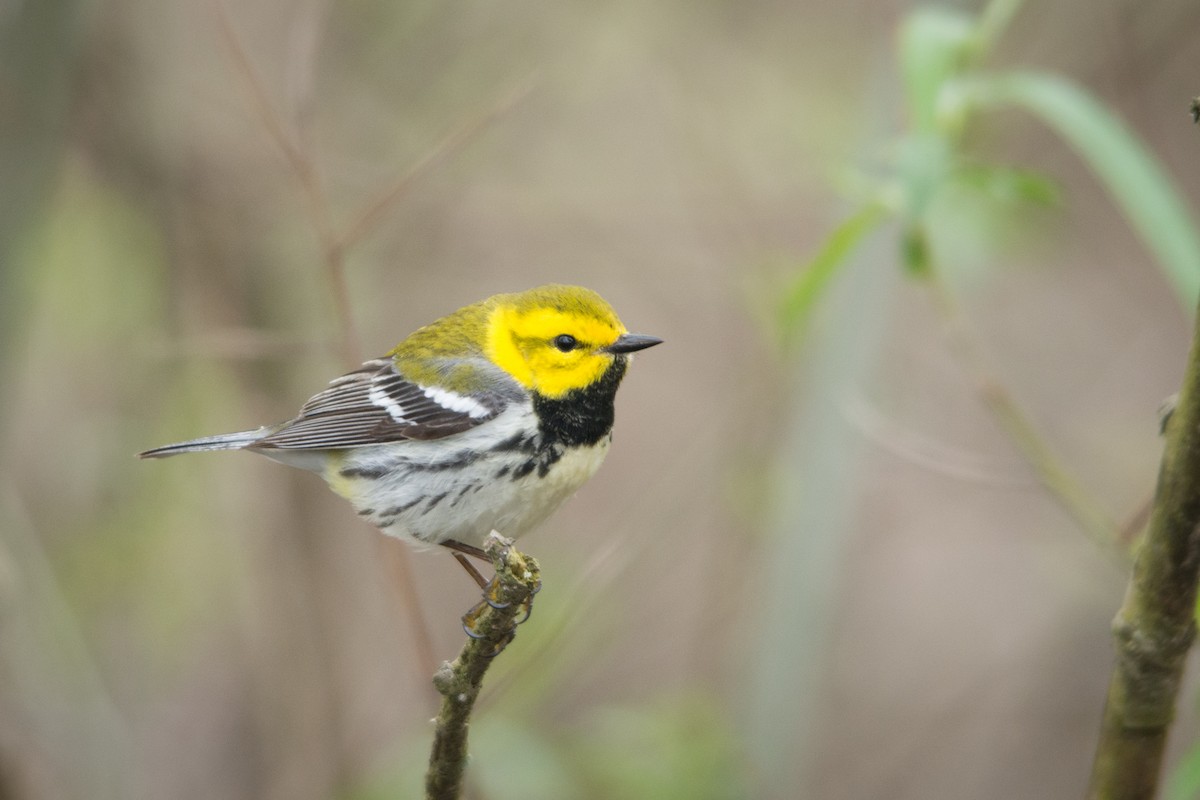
x: 810, y: 569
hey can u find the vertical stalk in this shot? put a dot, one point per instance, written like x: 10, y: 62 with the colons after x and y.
x: 1156, y: 623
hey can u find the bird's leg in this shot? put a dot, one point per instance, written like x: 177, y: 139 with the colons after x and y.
x: 491, y: 589
x: 526, y: 604
x: 515, y: 572
x: 467, y: 549
x: 470, y: 568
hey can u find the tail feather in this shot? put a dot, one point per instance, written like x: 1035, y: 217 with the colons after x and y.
x: 224, y: 441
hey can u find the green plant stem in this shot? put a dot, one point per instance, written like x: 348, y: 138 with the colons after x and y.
x: 1156, y: 623
x: 812, y: 282
x: 517, y: 580
x: 1018, y: 426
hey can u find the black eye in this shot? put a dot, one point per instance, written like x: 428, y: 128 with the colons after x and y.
x: 565, y: 342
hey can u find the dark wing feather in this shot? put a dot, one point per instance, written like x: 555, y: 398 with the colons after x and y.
x: 376, y: 404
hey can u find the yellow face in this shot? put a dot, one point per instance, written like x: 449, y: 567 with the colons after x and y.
x: 553, y: 349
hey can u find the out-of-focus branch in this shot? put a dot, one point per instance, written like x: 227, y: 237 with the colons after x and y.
x: 335, y: 243
x: 308, y: 177
x: 1156, y: 623
x: 375, y: 209
x: 517, y: 580
x: 1086, y: 510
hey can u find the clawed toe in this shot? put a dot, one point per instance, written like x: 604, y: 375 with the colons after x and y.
x: 491, y: 595
x: 470, y: 622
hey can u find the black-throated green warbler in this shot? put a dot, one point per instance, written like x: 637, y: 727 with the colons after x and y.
x: 486, y: 419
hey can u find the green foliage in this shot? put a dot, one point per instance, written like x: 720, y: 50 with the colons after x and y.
x: 516, y: 761
x: 946, y: 92
x: 1133, y: 177
x: 1184, y: 783
x: 811, y: 282
x: 93, y: 271
x: 929, y: 181
x: 935, y: 45
x: 672, y: 747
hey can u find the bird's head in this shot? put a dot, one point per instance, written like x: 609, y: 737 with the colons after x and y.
x: 555, y: 339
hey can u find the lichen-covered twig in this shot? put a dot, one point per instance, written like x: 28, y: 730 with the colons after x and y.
x: 517, y: 580
x: 1156, y: 623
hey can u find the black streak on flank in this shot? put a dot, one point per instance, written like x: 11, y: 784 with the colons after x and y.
x: 459, y: 460
x: 434, y: 502
x: 374, y: 473
x: 462, y: 458
x: 462, y: 492
x: 549, y: 458
x: 503, y: 471
x: 396, y: 511
x: 518, y: 441
x: 524, y: 469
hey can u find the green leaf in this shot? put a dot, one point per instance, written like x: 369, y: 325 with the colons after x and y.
x: 914, y: 251
x: 984, y: 212
x: 993, y: 22
x: 1009, y: 186
x: 934, y: 46
x: 800, y: 300
x: 1184, y: 782
x: 924, y: 164
x: 1133, y: 177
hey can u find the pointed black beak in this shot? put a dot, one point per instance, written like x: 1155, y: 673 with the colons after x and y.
x: 632, y: 342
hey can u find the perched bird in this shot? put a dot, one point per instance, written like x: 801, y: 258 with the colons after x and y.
x: 487, y: 419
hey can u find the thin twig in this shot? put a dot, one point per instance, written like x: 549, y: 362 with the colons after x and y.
x: 374, y: 210
x: 517, y: 581
x: 334, y: 255
x: 310, y: 182
x: 404, y: 581
x: 1156, y: 624
x: 1052, y: 474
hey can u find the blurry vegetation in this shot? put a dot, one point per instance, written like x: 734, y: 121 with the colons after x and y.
x: 930, y: 174
x: 796, y: 598
x: 676, y: 747
x: 935, y: 185
x: 947, y: 87
x: 938, y: 192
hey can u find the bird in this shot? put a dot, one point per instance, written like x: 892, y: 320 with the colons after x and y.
x: 485, y: 420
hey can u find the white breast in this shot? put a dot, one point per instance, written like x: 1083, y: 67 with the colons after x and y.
x: 461, y: 488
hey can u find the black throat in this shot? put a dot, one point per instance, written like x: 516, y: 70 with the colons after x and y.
x: 582, y: 416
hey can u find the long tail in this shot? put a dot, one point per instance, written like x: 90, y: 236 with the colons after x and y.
x: 224, y: 441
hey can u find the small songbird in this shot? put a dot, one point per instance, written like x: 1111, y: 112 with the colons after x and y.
x: 487, y: 419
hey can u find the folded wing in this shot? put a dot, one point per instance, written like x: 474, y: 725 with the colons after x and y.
x: 375, y: 404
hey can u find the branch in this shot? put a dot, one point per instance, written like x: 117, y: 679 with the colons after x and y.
x: 375, y: 209
x: 1053, y: 475
x: 1156, y: 623
x: 334, y: 254
x: 310, y: 181
x: 517, y: 580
